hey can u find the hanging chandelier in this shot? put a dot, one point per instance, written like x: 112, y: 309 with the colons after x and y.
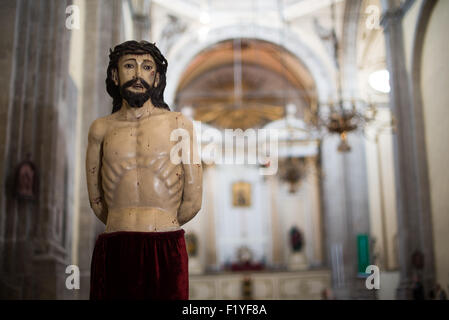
x: 292, y: 171
x: 344, y: 116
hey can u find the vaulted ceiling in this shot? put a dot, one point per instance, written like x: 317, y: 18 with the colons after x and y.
x: 245, y: 83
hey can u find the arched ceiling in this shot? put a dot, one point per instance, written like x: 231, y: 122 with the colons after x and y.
x: 270, y: 78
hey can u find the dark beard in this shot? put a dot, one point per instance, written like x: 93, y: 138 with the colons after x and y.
x: 136, y: 100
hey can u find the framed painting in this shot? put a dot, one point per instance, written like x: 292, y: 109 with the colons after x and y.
x: 241, y: 194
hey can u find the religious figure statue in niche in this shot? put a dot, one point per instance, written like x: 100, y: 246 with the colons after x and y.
x: 26, y: 182
x: 296, y: 239
x: 136, y: 188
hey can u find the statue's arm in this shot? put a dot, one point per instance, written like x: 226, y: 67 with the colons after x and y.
x: 93, y: 169
x: 193, y: 178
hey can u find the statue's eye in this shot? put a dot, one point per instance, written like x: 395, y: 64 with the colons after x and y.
x: 129, y: 66
x: 147, y: 68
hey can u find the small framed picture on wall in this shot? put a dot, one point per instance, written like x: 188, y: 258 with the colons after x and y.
x: 241, y: 194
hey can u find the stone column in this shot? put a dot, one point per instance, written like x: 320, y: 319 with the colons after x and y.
x: 277, y: 260
x: 413, y: 213
x: 344, y: 180
x: 345, y: 203
x: 208, y: 204
x: 8, y: 19
x: 35, y: 248
x: 53, y: 104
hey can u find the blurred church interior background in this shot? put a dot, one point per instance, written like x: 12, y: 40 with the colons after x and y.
x: 355, y: 89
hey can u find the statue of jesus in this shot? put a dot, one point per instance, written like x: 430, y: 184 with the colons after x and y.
x: 135, y: 188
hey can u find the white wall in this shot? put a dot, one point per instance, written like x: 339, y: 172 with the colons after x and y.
x: 238, y: 226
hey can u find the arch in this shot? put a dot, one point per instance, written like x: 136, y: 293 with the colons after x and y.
x: 189, y: 46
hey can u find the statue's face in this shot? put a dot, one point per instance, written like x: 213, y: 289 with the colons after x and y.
x: 136, y: 66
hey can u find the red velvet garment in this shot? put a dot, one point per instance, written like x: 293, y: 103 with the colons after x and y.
x: 140, y: 265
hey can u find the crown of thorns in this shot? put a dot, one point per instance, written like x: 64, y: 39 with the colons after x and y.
x: 141, y: 47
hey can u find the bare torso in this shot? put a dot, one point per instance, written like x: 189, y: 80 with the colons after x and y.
x: 142, y: 187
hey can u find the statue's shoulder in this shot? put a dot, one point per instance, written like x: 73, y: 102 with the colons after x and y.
x: 98, y: 129
x: 109, y: 118
x: 164, y: 113
x: 182, y: 121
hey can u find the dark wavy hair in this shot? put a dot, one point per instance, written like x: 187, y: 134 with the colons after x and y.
x: 134, y: 47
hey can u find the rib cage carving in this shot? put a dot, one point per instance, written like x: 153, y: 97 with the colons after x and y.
x: 113, y: 173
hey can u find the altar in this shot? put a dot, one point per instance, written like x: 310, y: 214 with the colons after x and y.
x: 261, y: 285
